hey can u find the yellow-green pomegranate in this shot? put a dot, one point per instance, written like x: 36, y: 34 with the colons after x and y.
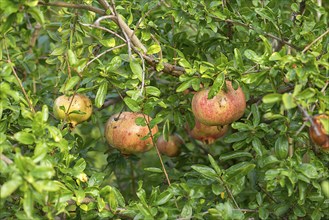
x: 80, y: 110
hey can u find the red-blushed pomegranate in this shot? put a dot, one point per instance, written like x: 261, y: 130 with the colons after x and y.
x: 223, y: 109
x: 122, y: 133
x: 80, y: 110
x: 321, y: 136
x: 172, y: 147
x: 207, y: 134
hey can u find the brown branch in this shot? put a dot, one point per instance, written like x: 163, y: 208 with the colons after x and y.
x: 18, y: 80
x: 136, y: 43
x: 5, y: 159
x: 77, y: 6
x: 316, y: 40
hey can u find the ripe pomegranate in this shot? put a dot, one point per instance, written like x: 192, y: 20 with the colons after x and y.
x: 81, y: 105
x: 223, y: 109
x: 318, y: 133
x: 122, y: 133
x: 207, y: 134
x: 171, y: 148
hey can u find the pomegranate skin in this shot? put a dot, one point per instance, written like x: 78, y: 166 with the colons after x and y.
x: 223, y: 109
x: 80, y: 103
x: 171, y: 148
x: 122, y: 133
x: 321, y: 138
x: 207, y: 134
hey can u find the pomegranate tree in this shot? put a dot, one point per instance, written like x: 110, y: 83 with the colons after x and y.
x: 73, y: 111
x: 171, y: 147
x: 122, y: 133
x: 223, y: 109
x: 205, y: 133
x: 318, y: 133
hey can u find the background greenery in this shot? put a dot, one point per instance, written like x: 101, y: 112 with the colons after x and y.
x: 266, y: 167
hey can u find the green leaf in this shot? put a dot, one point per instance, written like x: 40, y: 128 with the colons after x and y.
x: 252, y: 55
x: 45, y: 113
x: 267, y: 45
x: 80, y: 165
x: 163, y: 198
x: 281, y: 147
x: 288, y: 101
x: 55, y: 133
x: 43, y: 172
x: 306, y: 94
x: 9, y: 187
x: 217, y: 86
x: 275, y: 56
x: 205, y: 171
x: 72, y: 57
x: 153, y: 91
x: 58, y: 51
x: 154, y: 49
x: 137, y: 70
x: 235, y: 137
x: 234, y: 154
x: 37, y: 14
x: 132, y: 104
x: 309, y: 170
x: 70, y: 84
x: 101, y: 94
x: 186, y: 84
x: 238, y: 58
x: 108, y: 42
x: 257, y: 146
x: 24, y: 137
x: 238, y: 170
x: 28, y: 203
x: 187, y: 211
x: 255, y: 114
x: 214, y: 165
x: 271, y: 98
x: 153, y: 169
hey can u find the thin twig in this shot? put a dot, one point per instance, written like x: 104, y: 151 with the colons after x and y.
x: 316, y: 40
x: 101, y: 54
x: 104, y: 29
x: 229, y: 192
x: 98, y: 21
x: 5, y: 159
x: 157, y: 150
x: 18, y: 80
x: 124, y: 31
x: 77, y: 6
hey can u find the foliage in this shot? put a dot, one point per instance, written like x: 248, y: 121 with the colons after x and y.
x: 265, y: 167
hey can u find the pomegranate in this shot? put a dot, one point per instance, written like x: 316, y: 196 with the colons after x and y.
x: 318, y: 133
x: 171, y: 148
x: 80, y: 109
x: 205, y: 133
x: 122, y: 133
x: 223, y: 109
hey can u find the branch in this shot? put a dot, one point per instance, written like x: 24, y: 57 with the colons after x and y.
x: 18, y: 80
x: 316, y: 40
x: 5, y: 159
x: 77, y: 6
